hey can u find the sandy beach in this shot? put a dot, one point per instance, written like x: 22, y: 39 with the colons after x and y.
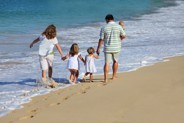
x: 152, y: 94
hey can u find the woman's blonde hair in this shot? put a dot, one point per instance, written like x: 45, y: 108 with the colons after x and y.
x: 74, y: 49
x: 50, y: 32
x: 91, y: 50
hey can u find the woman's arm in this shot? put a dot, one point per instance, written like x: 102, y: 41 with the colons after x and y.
x: 58, y: 47
x: 35, y: 41
x: 65, y: 57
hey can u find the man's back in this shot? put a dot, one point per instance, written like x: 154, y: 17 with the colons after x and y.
x: 111, y: 35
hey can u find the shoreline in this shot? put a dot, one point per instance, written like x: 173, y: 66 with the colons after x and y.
x: 164, y: 59
x: 118, y: 101
x: 152, y: 41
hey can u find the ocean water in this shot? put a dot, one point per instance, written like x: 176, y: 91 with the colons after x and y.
x: 154, y: 31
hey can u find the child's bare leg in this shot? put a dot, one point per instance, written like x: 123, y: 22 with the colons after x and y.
x: 71, y: 75
x: 76, y: 74
x: 74, y: 79
x: 84, y: 78
x: 91, y: 77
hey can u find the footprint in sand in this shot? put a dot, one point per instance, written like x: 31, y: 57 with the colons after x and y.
x: 23, y: 118
x: 26, y: 117
x: 34, y: 110
x: 53, y: 104
x: 66, y: 97
x: 83, y: 91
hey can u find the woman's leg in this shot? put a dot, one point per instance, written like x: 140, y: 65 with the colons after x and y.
x: 50, y: 72
x: 50, y: 59
x: 44, y: 74
x: 43, y: 66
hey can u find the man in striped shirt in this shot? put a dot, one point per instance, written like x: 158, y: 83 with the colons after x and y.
x: 110, y: 35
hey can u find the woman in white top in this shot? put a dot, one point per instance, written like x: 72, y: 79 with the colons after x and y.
x: 73, y: 63
x: 89, y: 63
x: 46, y: 54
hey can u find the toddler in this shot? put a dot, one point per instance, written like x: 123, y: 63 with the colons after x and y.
x: 89, y: 63
x: 122, y: 24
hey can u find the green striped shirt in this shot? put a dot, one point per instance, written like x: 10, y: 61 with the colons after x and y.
x: 110, y: 34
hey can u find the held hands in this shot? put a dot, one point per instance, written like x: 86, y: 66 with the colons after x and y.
x: 98, y: 52
x: 65, y: 57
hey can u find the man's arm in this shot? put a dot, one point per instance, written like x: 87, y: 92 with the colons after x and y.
x: 122, y: 37
x: 100, y: 42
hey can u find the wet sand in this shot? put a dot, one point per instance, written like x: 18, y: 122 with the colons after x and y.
x: 152, y: 94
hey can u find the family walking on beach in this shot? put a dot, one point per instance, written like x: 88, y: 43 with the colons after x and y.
x: 111, y: 36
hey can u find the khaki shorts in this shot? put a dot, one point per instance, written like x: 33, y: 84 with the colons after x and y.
x: 111, y: 57
x: 46, y: 61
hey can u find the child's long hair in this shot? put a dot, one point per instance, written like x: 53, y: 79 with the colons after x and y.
x: 91, y: 50
x: 50, y: 32
x: 74, y: 49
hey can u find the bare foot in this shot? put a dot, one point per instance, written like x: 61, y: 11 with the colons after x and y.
x: 114, y: 77
x: 83, y: 80
x: 54, y: 84
x: 105, y: 80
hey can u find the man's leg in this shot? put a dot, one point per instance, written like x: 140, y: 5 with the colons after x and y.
x: 106, y: 71
x: 115, y: 57
x: 108, y: 57
x: 114, y: 68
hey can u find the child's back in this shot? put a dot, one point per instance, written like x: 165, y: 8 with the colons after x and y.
x: 73, y: 62
x: 90, y: 65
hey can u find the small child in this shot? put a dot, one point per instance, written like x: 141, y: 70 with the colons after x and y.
x: 73, y: 63
x: 89, y: 63
x: 122, y: 24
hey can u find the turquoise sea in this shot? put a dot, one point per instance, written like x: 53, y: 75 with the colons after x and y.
x: 154, y: 31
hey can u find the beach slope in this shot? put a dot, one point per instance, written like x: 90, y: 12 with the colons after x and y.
x: 152, y: 94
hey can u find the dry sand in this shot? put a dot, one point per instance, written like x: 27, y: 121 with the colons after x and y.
x: 153, y: 94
